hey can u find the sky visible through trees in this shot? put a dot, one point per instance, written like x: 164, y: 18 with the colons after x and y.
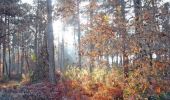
x: 69, y: 34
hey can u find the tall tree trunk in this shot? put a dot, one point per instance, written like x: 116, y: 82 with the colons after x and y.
x: 27, y: 61
x: 9, y: 51
x: 58, y: 53
x: 79, y: 33
x: 50, y: 43
x: 4, y: 59
x: 1, y: 66
x: 124, y: 38
x: 62, y: 51
x: 13, y: 58
x: 91, y: 24
x: 36, y: 34
x: 22, y: 54
x: 5, y: 69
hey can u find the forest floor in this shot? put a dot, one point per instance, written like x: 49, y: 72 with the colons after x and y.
x: 14, y: 90
x: 65, y: 89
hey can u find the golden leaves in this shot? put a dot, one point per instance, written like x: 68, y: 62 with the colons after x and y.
x: 93, y: 53
x: 106, y: 18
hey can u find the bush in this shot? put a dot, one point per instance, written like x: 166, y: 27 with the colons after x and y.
x: 101, y: 83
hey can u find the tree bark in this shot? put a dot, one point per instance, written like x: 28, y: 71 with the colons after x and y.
x: 50, y: 43
x: 79, y: 34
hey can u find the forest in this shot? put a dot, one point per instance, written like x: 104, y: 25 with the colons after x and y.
x: 84, y: 49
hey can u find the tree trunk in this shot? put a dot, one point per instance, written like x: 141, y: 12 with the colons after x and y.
x: 50, y: 43
x: 79, y: 34
x: 9, y: 51
x: 5, y: 67
x: 62, y: 60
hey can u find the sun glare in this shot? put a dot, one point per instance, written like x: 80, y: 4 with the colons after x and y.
x: 59, y: 32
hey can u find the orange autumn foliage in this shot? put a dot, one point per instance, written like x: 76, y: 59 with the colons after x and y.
x: 92, y: 91
x: 158, y: 89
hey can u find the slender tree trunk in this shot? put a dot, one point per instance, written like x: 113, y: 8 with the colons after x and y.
x: 22, y: 54
x: 79, y: 34
x: 91, y: 24
x: 9, y: 51
x: 36, y: 35
x: 5, y: 67
x: 13, y: 58
x: 18, y: 57
x: 1, y: 66
x: 62, y: 52
x: 124, y: 37
x: 4, y: 59
x: 58, y: 53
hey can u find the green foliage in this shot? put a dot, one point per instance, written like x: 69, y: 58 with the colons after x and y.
x: 33, y: 57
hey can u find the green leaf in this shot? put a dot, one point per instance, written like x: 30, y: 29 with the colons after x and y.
x: 33, y: 57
